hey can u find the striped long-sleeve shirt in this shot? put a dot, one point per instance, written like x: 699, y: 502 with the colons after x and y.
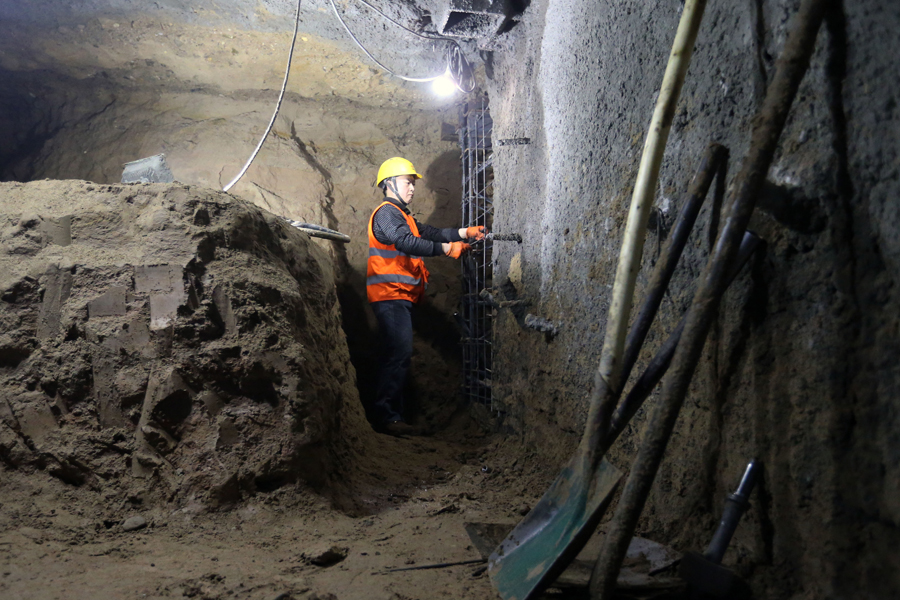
x: 390, y: 228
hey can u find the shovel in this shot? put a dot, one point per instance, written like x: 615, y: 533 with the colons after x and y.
x: 556, y: 530
x: 767, y: 127
x: 550, y: 536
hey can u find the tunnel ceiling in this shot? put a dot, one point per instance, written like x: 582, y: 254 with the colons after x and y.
x: 226, y: 45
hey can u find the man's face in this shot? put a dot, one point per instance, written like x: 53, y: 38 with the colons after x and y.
x: 406, y: 187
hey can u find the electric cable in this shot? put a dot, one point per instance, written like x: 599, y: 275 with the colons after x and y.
x: 426, y: 36
x: 457, y: 65
x: 375, y: 60
x: 460, y: 69
x: 456, y: 61
x: 287, y: 72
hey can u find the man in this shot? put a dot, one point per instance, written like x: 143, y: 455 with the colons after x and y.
x: 395, y: 281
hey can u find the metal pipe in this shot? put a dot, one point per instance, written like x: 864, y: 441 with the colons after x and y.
x: 540, y: 324
x: 504, y: 237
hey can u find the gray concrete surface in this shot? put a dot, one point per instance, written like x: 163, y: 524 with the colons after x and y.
x: 801, y: 368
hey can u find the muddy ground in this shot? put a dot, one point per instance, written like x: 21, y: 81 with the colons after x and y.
x: 179, y: 416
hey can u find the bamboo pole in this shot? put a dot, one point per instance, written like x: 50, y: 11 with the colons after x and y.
x: 569, y: 512
x: 607, y: 384
x: 767, y: 127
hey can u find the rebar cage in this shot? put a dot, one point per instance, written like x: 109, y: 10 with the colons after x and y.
x: 475, y: 317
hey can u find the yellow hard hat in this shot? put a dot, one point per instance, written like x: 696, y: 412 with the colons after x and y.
x: 396, y: 166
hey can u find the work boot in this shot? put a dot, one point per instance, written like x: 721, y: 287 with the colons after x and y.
x: 400, y: 428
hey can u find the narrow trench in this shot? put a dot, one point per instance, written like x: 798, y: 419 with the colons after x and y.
x: 362, y: 340
x: 188, y: 418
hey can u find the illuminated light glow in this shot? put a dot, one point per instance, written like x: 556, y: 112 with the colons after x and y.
x: 444, y: 85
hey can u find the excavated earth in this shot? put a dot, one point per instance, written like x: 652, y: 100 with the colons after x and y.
x: 179, y: 415
x: 167, y: 342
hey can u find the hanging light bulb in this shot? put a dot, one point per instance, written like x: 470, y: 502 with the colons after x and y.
x: 444, y: 85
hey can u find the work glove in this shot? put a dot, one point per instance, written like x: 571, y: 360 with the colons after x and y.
x: 478, y: 232
x: 456, y: 249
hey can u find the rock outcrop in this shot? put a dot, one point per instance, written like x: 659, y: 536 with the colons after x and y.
x: 166, y: 341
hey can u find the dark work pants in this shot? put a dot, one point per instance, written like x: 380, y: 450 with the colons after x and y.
x: 396, y: 335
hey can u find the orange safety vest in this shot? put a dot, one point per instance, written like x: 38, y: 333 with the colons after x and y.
x: 391, y: 274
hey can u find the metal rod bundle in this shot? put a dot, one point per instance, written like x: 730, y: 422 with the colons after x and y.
x: 475, y: 126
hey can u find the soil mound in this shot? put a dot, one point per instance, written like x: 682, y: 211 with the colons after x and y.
x: 168, y: 343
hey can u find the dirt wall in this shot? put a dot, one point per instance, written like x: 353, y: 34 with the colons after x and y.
x: 800, y: 370
x: 168, y: 344
x: 317, y: 166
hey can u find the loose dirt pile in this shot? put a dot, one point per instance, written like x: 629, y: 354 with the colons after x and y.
x: 167, y: 343
x: 171, y: 352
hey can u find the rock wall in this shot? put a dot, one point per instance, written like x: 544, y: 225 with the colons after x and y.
x: 168, y: 344
x: 800, y: 370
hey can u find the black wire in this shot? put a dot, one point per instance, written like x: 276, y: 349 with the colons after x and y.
x: 460, y: 69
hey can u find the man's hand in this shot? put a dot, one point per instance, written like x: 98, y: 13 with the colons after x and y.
x: 478, y: 232
x: 455, y: 249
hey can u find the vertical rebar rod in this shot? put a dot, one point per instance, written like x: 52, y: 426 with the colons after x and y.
x: 482, y: 279
x: 476, y: 208
x: 473, y: 216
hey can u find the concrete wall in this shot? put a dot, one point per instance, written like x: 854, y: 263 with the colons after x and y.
x: 801, y: 368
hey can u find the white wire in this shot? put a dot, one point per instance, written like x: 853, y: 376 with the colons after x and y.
x: 456, y: 62
x: 287, y: 72
x: 375, y: 60
x: 429, y: 36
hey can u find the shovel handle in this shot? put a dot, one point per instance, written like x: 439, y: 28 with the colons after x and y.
x: 714, y: 162
x: 608, y: 379
x: 660, y: 363
x: 767, y: 127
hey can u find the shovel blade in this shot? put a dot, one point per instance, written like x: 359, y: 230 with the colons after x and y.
x: 541, y: 546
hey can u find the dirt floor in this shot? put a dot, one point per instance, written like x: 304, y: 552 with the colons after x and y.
x: 409, y: 502
x: 234, y: 460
